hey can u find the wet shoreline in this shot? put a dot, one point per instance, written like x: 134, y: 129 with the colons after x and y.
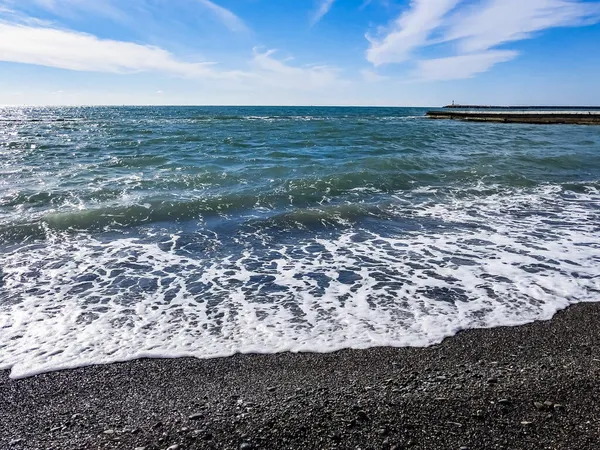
x: 533, y: 386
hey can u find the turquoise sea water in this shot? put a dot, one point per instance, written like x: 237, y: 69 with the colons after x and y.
x: 206, y: 231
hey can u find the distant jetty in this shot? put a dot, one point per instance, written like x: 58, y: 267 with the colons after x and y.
x: 582, y: 115
x: 525, y: 108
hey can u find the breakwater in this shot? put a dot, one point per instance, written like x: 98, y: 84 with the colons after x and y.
x: 591, y: 117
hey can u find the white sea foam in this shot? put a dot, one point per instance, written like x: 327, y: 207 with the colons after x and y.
x: 487, y: 261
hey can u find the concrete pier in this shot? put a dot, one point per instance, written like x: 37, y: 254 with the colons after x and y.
x: 591, y: 116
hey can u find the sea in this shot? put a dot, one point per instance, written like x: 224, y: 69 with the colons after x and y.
x: 134, y: 232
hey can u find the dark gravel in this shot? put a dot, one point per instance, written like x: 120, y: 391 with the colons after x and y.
x: 530, y: 387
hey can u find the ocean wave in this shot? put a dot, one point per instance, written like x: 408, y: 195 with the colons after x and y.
x: 81, y: 299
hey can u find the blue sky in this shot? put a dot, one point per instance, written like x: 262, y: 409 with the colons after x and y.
x: 299, y: 52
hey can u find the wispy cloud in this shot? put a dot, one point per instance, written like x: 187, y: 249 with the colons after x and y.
x: 228, y: 18
x: 280, y: 73
x: 371, y: 76
x: 71, y: 50
x: 82, y: 52
x: 462, y: 66
x: 476, y: 28
x: 495, y: 22
x: 409, y: 31
x: 121, y: 11
x: 70, y: 8
x: 322, y: 9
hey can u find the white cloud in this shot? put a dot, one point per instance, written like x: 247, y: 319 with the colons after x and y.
x: 84, y: 52
x: 70, y: 8
x: 322, y: 10
x: 371, y: 76
x: 409, y: 31
x: 462, y: 66
x: 228, y: 18
x: 476, y: 28
x: 279, y: 73
x: 495, y: 22
x: 70, y: 50
x: 121, y: 11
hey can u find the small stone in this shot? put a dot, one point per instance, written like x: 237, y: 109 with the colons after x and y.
x: 478, y: 414
x: 140, y: 448
x: 525, y: 423
x: 15, y: 441
x: 504, y: 401
x: 492, y: 380
x: 196, y: 416
x: 558, y: 406
x: 363, y: 416
x: 539, y: 406
x: 109, y: 431
x: 174, y: 447
x: 76, y: 416
x: 441, y: 378
x: 271, y: 388
x: 246, y: 446
x: 548, y: 404
x: 337, y: 437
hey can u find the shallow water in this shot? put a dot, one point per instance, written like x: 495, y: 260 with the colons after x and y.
x: 131, y: 232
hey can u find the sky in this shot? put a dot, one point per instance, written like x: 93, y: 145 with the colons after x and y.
x: 299, y: 52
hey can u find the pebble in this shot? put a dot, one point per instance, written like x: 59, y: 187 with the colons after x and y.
x: 525, y: 422
x: 478, y: 414
x: 140, y: 448
x: 538, y: 405
x: 196, y: 416
x: 109, y: 431
x: 492, y: 380
x: 504, y: 401
x: 246, y: 446
x: 174, y: 447
x: 15, y: 441
x: 363, y: 416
